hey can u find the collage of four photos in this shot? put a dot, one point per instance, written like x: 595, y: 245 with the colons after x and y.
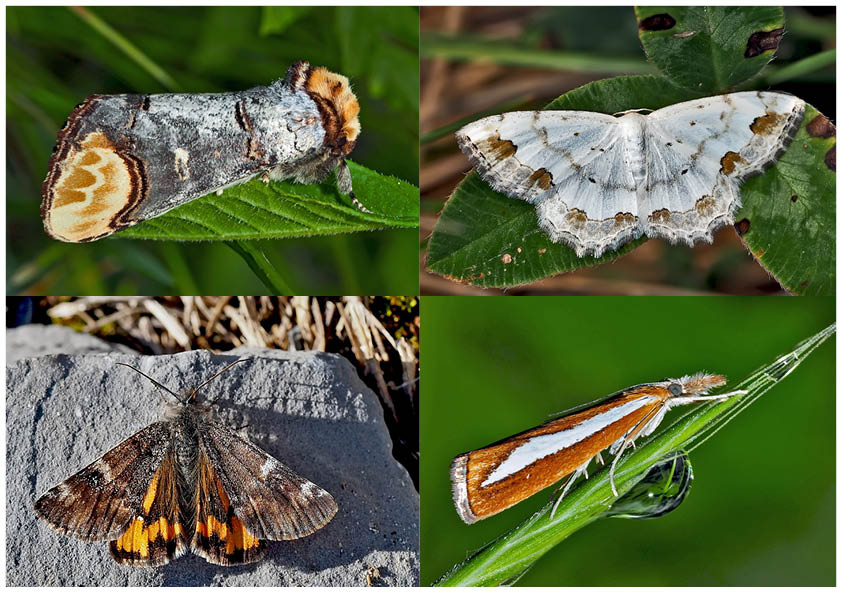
x: 225, y: 224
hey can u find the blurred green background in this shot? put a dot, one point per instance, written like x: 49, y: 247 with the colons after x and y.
x: 54, y: 59
x: 762, y: 508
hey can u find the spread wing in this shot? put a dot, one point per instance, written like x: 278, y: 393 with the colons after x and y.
x: 574, y: 166
x: 699, y: 151
x: 245, y: 495
x: 129, y: 496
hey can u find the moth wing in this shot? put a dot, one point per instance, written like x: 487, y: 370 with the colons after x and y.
x: 99, y: 502
x: 95, y: 182
x: 156, y: 534
x: 571, y: 164
x: 699, y: 151
x: 246, y: 495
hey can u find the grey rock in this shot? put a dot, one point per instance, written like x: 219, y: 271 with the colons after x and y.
x: 309, y: 410
x: 32, y: 340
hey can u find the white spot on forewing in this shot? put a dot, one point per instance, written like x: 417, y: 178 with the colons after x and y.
x: 538, y: 447
x: 104, y: 469
x: 181, y: 158
x: 268, y: 467
x: 309, y: 489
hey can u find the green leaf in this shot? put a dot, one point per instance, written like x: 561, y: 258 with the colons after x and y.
x: 790, y: 213
x: 510, y: 557
x: 256, y: 211
x: 705, y: 48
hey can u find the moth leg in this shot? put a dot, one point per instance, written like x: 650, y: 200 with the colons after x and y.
x: 583, y: 470
x: 343, y: 181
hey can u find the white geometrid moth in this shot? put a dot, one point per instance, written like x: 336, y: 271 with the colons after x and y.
x: 121, y: 159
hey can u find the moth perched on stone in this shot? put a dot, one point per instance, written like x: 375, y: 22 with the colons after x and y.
x: 599, y: 181
x: 186, y: 483
x: 121, y: 159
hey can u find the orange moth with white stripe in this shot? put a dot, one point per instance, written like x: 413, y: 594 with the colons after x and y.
x: 491, y: 479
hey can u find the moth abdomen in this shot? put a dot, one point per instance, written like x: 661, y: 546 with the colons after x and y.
x: 121, y: 159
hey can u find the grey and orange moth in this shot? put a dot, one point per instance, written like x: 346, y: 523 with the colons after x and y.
x: 121, y: 159
x: 491, y: 479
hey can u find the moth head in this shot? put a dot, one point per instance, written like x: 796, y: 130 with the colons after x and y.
x: 695, y: 384
x: 335, y: 100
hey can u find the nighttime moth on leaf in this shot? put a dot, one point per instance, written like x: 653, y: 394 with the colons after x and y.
x: 600, y: 181
x: 121, y: 159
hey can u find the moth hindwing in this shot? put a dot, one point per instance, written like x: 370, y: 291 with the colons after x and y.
x: 121, y: 159
x: 188, y: 482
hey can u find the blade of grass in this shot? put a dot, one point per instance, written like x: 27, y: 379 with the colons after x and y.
x: 510, y: 556
x: 441, y: 46
x: 126, y: 46
x: 803, y: 67
x: 261, y: 266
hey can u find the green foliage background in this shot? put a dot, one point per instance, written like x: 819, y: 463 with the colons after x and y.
x: 761, y: 511
x: 55, y: 59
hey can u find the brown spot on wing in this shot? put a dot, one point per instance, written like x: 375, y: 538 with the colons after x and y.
x: 742, y: 226
x: 729, y: 162
x: 768, y: 124
x: 660, y: 216
x: 497, y: 148
x: 541, y: 178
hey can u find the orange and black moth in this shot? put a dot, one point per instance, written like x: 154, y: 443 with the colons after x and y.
x: 121, y: 159
x: 186, y: 483
x: 491, y: 479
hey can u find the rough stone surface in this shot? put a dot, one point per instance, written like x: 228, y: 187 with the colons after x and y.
x: 309, y: 410
x: 33, y: 340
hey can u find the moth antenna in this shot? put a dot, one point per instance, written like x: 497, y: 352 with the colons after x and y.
x: 152, y: 380
x: 221, y: 372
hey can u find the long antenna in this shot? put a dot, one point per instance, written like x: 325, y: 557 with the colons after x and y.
x: 225, y: 369
x: 195, y: 390
x: 152, y: 380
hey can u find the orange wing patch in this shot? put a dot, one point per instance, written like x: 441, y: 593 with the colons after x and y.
x: 155, y: 537
x: 220, y: 535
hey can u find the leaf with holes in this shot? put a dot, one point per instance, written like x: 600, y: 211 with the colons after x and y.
x: 788, y: 219
x: 709, y: 49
